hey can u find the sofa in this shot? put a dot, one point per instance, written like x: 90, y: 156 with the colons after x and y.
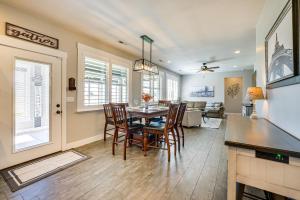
x: 195, y: 105
x: 192, y: 118
x: 214, y: 110
x: 193, y: 114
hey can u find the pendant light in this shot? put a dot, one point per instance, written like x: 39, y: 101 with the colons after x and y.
x: 144, y: 65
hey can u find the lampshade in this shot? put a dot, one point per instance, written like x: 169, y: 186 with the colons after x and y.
x: 254, y: 93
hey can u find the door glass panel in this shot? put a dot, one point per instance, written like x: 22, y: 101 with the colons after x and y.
x: 31, y: 104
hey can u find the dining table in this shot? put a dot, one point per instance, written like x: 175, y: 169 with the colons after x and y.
x: 151, y: 112
x: 147, y: 114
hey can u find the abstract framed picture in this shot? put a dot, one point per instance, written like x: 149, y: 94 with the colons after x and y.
x: 281, y: 47
x: 203, y: 91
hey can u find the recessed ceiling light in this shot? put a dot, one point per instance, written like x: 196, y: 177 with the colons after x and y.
x: 169, y: 61
x: 235, y: 66
x: 122, y: 42
x: 237, y: 51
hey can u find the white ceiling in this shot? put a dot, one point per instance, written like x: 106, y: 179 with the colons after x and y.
x: 185, y: 32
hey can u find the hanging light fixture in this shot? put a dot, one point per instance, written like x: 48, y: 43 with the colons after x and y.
x: 143, y: 64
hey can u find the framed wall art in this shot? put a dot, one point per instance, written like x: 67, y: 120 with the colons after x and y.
x: 281, y: 48
x: 203, y: 91
x: 30, y: 36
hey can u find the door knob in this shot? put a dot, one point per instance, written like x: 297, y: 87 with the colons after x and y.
x: 57, y: 105
x: 58, y: 112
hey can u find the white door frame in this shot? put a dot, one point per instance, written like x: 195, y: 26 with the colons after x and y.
x: 19, y: 44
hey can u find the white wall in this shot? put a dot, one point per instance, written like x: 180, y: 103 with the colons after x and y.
x: 283, y: 104
x: 82, y: 125
x: 212, y: 79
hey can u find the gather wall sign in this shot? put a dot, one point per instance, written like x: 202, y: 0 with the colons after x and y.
x: 30, y: 36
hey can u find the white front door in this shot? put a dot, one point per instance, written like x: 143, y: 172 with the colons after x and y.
x: 30, y: 105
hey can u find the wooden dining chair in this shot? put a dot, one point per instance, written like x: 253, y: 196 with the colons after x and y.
x: 126, y: 104
x: 162, y: 130
x: 108, y: 120
x: 121, y: 125
x: 132, y: 119
x: 165, y: 103
x: 178, y: 124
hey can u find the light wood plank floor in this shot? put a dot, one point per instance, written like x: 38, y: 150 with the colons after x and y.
x: 198, y: 172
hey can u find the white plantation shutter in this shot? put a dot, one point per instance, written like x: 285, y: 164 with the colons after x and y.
x: 102, y: 78
x: 95, y: 82
x: 175, y: 88
x: 172, y: 88
x: 156, y: 88
x: 119, y: 85
x: 151, y: 85
x: 22, y: 97
x: 146, y: 83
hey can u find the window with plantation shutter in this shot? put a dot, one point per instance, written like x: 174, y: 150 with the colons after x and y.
x: 95, y: 78
x: 119, y: 84
x: 151, y: 85
x: 102, y: 78
x: 172, y: 88
x: 156, y: 88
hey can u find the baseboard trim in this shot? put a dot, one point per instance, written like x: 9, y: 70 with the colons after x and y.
x: 83, y: 142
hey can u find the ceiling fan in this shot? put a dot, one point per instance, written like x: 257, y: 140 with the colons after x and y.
x: 204, y: 68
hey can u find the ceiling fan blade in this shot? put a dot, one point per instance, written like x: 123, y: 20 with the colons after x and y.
x: 210, y: 70
x: 210, y: 61
x: 213, y: 60
x: 214, y: 67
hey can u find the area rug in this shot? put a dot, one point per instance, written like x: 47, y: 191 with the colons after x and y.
x: 23, y: 175
x: 211, y: 123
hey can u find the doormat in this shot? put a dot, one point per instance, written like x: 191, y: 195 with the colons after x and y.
x: 23, y: 175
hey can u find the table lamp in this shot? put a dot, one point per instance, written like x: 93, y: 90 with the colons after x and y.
x: 253, y: 94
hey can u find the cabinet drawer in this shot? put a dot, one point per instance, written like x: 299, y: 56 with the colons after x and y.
x: 275, y: 173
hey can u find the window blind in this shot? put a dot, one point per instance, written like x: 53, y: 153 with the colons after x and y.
x: 95, y: 82
x: 102, y: 78
x: 21, y: 97
x: 172, y: 88
x: 156, y: 88
x: 119, y: 85
x: 151, y: 85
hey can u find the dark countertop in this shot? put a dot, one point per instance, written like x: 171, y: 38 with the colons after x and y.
x: 260, y: 135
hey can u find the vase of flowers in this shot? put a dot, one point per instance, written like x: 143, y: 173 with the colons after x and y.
x: 146, y: 97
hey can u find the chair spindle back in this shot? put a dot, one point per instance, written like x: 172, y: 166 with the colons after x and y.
x: 180, y: 113
x: 120, y: 115
x: 171, y: 118
x: 126, y: 104
x: 165, y: 103
x: 107, y: 111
